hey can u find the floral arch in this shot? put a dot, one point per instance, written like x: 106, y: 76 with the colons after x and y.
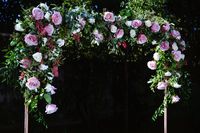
x: 43, y: 33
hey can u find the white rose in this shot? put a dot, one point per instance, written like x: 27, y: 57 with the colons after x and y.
x: 37, y: 57
x: 43, y: 67
x: 132, y: 33
x: 44, y: 5
x: 156, y: 56
x: 128, y: 23
x: 91, y: 20
x: 113, y: 29
x: 50, y: 88
x: 60, y: 42
x: 18, y: 27
x: 148, y: 23
x: 168, y: 74
x: 44, y: 40
x: 47, y: 16
x: 174, y: 46
x: 176, y: 85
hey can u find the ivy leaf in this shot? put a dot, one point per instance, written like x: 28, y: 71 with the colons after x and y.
x: 47, y: 97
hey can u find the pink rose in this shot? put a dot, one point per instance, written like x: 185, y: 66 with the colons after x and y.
x: 56, y: 18
x: 49, y: 29
x: 55, y: 71
x: 25, y: 63
x: 119, y: 33
x: 164, y: 46
x: 176, y: 34
x: 175, y: 99
x: 155, y: 27
x: 37, y: 13
x: 33, y: 83
x: 165, y: 27
x: 136, y: 23
x: 177, y: 55
x: 98, y: 36
x: 109, y: 17
x: 162, y: 85
x: 152, y: 65
x: 51, y: 108
x: 31, y: 40
x: 141, y: 39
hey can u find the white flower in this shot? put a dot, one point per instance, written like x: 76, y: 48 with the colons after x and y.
x: 44, y: 40
x: 51, y: 108
x: 176, y: 85
x: 50, y: 88
x: 175, y: 99
x: 44, y: 5
x: 43, y: 67
x: 156, y: 56
x: 47, y: 16
x: 132, y: 33
x: 168, y: 74
x: 37, y: 57
x: 148, y: 23
x: 76, y: 31
x: 60, y: 42
x: 182, y: 56
x: 128, y: 23
x: 113, y: 28
x: 174, y: 46
x: 18, y: 27
x: 91, y: 20
x: 50, y: 76
x: 154, y: 42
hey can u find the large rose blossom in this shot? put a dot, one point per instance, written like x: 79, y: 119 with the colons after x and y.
x: 141, y: 39
x: 177, y: 55
x: 33, y: 83
x: 165, y: 27
x: 152, y: 65
x: 31, y: 40
x: 162, y: 85
x: 109, y: 17
x: 37, y: 13
x: 51, y: 108
x: 50, y: 88
x: 136, y: 23
x: 49, y: 29
x: 56, y: 18
x: 176, y: 34
x: 119, y: 33
x: 25, y: 63
x: 164, y: 46
x: 155, y: 27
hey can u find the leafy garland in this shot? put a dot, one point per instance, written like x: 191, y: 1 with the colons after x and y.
x: 37, y: 46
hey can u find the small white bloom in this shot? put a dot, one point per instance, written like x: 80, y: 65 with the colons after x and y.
x: 156, y: 56
x: 50, y: 76
x: 148, y: 23
x: 50, y: 88
x: 175, y: 99
x: 44, y: 5
x: 132, y: 33
x: 128, y: 23
x: 176, y: 85
x: 174, y: 46
x: 18, y: 27
x: 47, y: 16
x: 60, y: 42
x: 44, y: 40
x: 37, y: 57
x: 76, y: 31
x: 91, y: 20
x: 182, y: 56
x: 168, y: 74
x: 113, y: 28
x: 43, y: 67
x: 154, y: 42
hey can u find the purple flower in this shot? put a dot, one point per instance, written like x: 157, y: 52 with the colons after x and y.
x: 49, y: 29
x: 152, y: 65
x: 37, y: 13
x: 165, y: 27
x: 162, y: 85
x: 164, y: 46
x: 51, y: 108
x: 177, y: 55
x: 119, y: 34
x: 31, y: 40
x: 33, y: 83
x: 56, y: 18
x: 25, y: 63
x: 176, y: 34
x: 136, y: 23
x: 50, y: 88
x: 175, y: 99
x: 155, y: 27
x: 109, y: 17
x: 141, y: 39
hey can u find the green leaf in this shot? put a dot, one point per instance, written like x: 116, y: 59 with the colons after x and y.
x: 47, y: 97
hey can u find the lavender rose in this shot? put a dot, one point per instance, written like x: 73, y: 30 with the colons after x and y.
x: 175, y: 99
x: 164, y: 46
x: 136, y: 23
x: 165, y: 27
x: 162, y: 85
x: 51, y: 108
x: 176, y: 34
x: 119, y: 33
x: 109, y: 17
x: 177, y: 55
x: 152, y: 65
x: 49, y: 29
x: 31, y: 40
x: 25, y: 63
x: 56, y: 18
x: 37, y: 13
x: 141, y: 39
x: 33, y: 83
x: 155, y: 27
x: 50, y: 88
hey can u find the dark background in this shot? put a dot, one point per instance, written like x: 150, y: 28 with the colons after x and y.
x: 102, y: 96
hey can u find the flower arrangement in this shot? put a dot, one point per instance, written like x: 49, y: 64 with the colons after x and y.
x: 43, y: 33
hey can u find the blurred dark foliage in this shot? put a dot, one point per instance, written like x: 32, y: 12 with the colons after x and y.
x: 102, y: 96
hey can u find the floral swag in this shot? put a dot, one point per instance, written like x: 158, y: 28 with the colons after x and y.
x: 43, y: 33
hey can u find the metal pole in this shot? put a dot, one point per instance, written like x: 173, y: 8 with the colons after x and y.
x: 25, y: 118
x: 165, y: 112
